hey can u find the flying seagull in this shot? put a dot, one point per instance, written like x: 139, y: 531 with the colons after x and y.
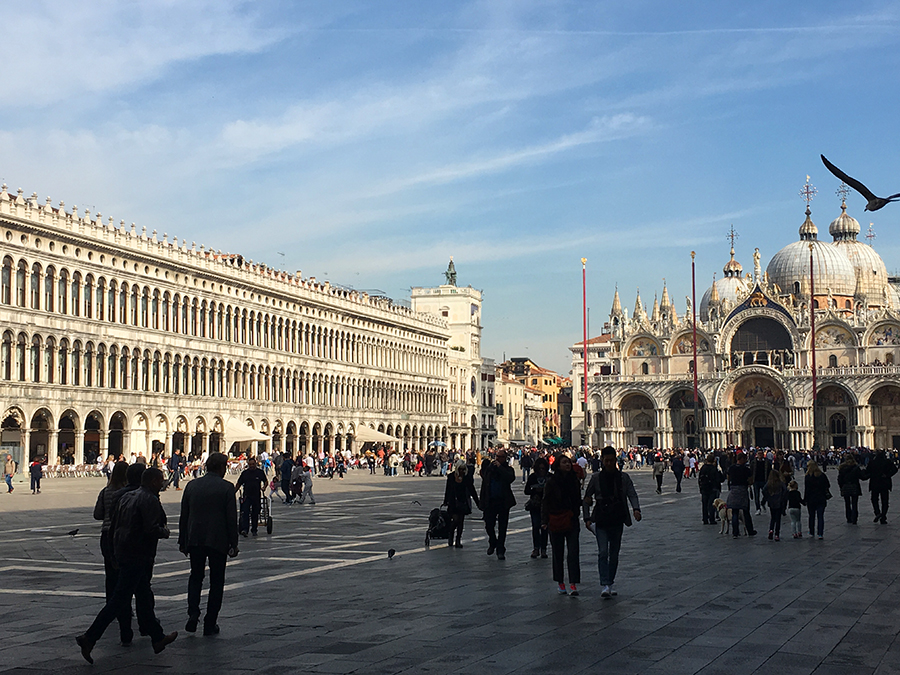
x: 873, y: 203
x: 416, y: 501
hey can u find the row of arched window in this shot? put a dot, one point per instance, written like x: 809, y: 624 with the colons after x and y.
x: 86, y: 364
x: 58, y: 291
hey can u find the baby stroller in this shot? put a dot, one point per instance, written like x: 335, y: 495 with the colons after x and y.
x: 438, y: 526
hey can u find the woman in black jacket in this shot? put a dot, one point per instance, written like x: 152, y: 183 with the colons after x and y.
x: 816, y: 487
x: 849, y: 475
x: 559, y: 515
x: 534, y: 488
x: 458, y: 496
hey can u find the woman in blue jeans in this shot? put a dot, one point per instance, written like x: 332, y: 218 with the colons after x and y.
x: 815, y: 493
x: 534, y: 488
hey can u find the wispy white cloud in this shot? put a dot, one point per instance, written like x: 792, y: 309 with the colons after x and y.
x: 63, y: 50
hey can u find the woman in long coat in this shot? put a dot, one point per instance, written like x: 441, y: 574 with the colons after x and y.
x: 458, y: 496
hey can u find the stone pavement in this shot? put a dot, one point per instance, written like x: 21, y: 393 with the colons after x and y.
x: 321, y: 596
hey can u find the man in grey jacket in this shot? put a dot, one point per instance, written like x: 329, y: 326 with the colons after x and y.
x: 612, y: 489
x: 208, y: 531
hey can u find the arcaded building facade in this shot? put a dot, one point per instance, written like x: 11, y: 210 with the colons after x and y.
x: 119, y: 341
x: 754, y: 356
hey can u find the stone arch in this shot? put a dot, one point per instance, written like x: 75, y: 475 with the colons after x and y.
x: 724, y: 390
x: 118, y: 425
x: 884, y: 403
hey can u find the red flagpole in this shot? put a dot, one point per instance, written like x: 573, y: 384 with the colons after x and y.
x: 586, y: 435
x: 696, y: 365
x: 812, y: 325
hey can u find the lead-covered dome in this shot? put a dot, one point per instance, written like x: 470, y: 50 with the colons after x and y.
x: 724, y: 293
x: 871, y: 273
x: 833, y: 272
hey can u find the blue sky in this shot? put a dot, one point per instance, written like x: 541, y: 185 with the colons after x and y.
x: 370, y: 141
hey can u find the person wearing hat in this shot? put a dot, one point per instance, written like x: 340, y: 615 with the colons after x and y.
x: 458, y: 496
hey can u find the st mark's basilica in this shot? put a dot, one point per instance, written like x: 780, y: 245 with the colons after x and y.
x: 754, y: 355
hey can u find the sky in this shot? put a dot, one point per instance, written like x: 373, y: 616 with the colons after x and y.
x: 368, y: 142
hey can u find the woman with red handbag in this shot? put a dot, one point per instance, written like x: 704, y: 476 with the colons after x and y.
x: 559, y: 515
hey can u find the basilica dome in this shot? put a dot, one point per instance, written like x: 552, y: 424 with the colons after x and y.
x: 872, y: 278
x: 833, y: 272
x: 724, y: 292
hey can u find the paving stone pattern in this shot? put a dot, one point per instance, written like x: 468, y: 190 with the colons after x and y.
x: 321, y: 596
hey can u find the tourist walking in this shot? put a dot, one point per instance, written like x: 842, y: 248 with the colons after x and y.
x: 287, y: 466
x: 560, y: 508
x: 605, y: 509
x: 709, y: 480
x: 9, y: 470
x: 880, y: 470
x: 776, y: 498
x: 208, y: 534
x: 122, y: 479
x: 739, y: 480
x: 678, y: 471
x: 849, y: 476
x: 760, y: 468
x: 816, y: 491
x: 794, y: 504
x: 659, y: 468
x: 138, y: 525
x: 458, y: 496
x: 175, y: 466
x: 534, y: 488
x: 36, y: 472
x: 306, y: 477
x: 253, y: 480
x: 497, y: 498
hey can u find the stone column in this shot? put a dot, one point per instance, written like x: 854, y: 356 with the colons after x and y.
x: 104, y: 444
x: 204, y: 443
x: 25, y: 437
x: 53, y: 446
x: 79, y: 446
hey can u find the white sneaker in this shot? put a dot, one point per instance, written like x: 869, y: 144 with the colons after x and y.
x: 612, y: 591
x: 605, y: 593
x: 757, y: 512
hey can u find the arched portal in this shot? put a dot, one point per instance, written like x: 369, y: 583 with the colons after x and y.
x: 40, y: 436
x: 835, y: 416
x: 885, y: 404
x: 762, y: 340
x: 685, y: 427
x: 117, y: 435
x: 639, y: 417
x: 760, y: 415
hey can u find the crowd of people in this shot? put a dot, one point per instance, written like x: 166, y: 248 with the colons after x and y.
x: 562, y: 499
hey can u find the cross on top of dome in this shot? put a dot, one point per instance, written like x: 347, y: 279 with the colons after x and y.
x: 808, y: 192
x: 842, y: 192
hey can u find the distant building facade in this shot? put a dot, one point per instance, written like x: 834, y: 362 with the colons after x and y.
x: 120, y: 341
x: 755, y: 356
x: 469, y: 384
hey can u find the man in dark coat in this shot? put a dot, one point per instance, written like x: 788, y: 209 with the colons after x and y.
x: 138, y: 525
x: 606, y: 514
x: 208, y: 531
x: 497, y: 477
x: 880, y: 470
x: 254, y: 481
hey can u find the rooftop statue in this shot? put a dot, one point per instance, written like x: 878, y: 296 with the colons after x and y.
x: 450, y: 274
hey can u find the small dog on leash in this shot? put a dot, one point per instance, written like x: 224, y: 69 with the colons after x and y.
x: 725, y: 516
